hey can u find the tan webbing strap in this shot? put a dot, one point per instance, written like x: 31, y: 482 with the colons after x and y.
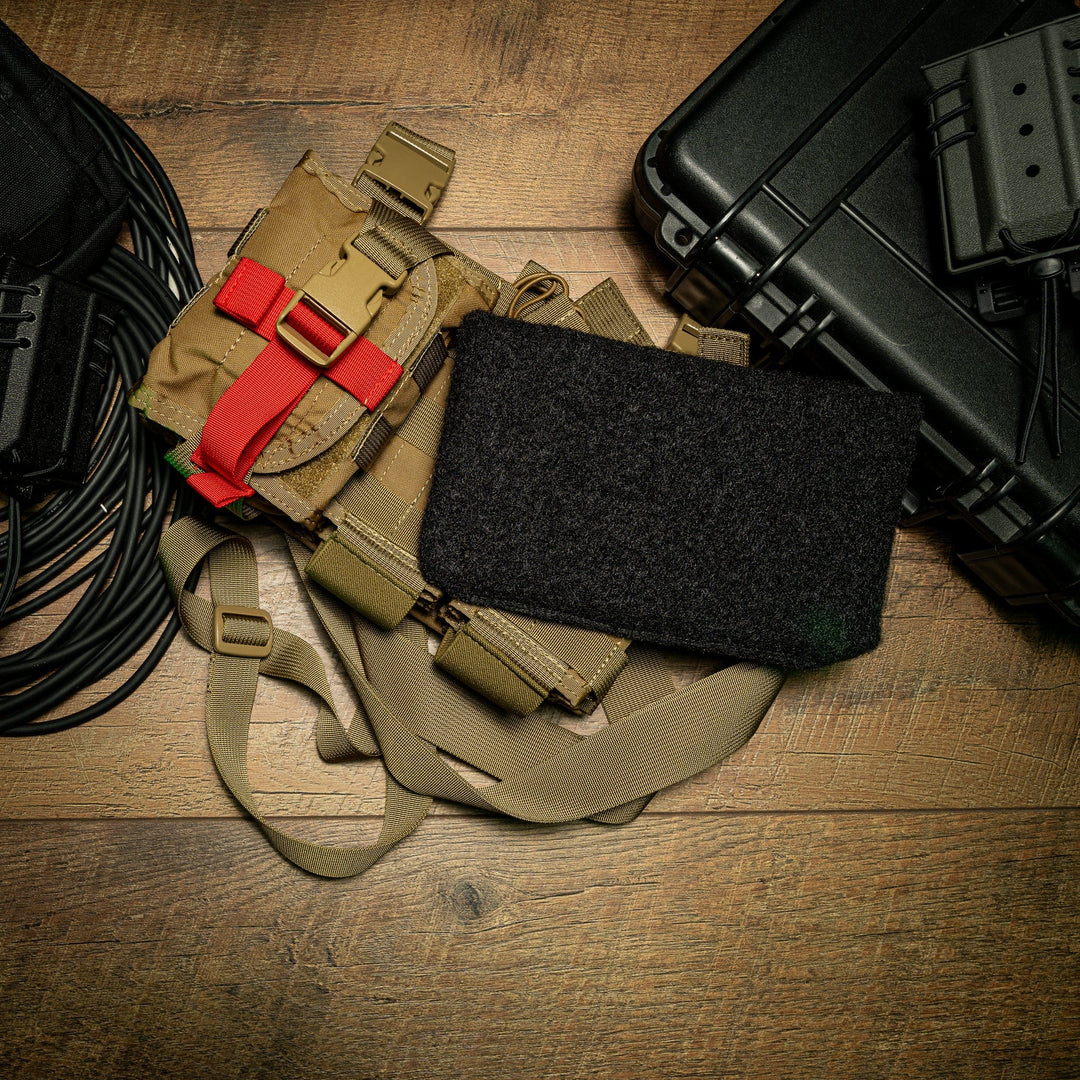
x: 242, y: 643
x: 371, y: 561
x: 542, y: 772
x: 519, y: 662
x: 395, y: 243
x: 711, y: 342
x: 554, y: 775
x: 607, y: 313
x: 728, y: 346
x: 438, y: 709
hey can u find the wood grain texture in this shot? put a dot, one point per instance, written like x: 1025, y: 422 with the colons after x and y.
x: 551, y: 100
x: 901, y: 904
x: 855, y: 945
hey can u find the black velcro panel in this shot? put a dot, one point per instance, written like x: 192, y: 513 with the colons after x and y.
x: 666, y: 498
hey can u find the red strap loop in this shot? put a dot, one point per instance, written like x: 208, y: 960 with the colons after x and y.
x: 249, y: 413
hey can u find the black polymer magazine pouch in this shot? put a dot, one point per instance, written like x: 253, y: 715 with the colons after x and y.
x: 61, y: 199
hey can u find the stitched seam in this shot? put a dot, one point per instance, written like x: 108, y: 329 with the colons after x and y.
x: 419, y: 310
x: 182, y: 417
x: 603, y: 667
x: 391, y: 397
x: 271, y: 488
x: 395, y: 553
x: 516, y: 672
x: 408, y: 509
x: 401, y: 588
x: 521, y: 640
x: 303, y: 431
x: 243, y: 329
x: 391, y: 461
x: 312, y: 441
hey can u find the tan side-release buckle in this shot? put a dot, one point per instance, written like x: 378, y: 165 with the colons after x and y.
x: 347, y: 293
x: 234, y: 648
x: 684, y: 338
x: 406, y: 168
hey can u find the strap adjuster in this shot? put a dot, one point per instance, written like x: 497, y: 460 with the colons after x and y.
x: 236, y: 648
x: 347, y: 293
x: 409, y: 170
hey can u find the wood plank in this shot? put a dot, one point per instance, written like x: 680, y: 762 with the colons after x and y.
x: 966, y: 703
x: 548, y: 103
x: 856, y: 945
x: 964, y: 711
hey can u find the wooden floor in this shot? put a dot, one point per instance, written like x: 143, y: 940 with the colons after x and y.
x: 883, y: 883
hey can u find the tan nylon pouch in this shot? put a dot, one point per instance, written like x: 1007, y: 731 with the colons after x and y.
x: 357, y: 480
x: 352, y: 484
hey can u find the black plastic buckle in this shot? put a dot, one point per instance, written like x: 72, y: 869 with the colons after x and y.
x: 1002, y: 299
x: 55, y: 349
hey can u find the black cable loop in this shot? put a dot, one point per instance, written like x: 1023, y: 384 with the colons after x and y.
x: 120, y: 595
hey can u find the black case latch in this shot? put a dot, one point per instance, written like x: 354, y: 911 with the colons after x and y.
x: 55, y: 348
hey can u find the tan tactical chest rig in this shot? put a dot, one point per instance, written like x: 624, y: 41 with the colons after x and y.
x: 348, y: 484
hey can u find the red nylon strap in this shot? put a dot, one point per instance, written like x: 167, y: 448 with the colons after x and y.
x: 249, y: 413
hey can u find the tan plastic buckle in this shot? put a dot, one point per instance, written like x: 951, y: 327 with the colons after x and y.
x: 684, y: 338
x: 406, y: 168
x: 347, y: 293
x: 232, y: 648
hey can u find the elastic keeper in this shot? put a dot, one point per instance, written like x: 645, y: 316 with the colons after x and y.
x: 374, y: 592
x: 490, y: 673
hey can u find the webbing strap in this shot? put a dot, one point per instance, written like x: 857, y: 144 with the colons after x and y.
x: 607, y: 313
x: 248, y: 414
x: 541, y: 771
x: 655, y: 737
x: 729, y: 346
x: 395, y: 243
x: 231, y: 690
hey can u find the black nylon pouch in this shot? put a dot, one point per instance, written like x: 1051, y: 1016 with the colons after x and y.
x: 61, y: 199
x: 666, y: 498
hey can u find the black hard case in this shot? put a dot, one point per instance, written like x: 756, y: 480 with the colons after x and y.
x: 793, y: 190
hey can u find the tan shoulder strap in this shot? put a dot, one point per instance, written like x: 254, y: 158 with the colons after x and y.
x: 542, y: 772
x: 242, y: 642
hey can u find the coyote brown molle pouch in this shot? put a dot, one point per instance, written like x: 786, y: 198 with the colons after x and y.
x: 307, y: 382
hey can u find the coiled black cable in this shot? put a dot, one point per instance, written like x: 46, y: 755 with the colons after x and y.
x: 131, y: 490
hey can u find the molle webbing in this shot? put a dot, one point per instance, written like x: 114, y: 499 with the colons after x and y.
x: 371, y: 560
x: 394, y: 242
x: 412, y: 712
